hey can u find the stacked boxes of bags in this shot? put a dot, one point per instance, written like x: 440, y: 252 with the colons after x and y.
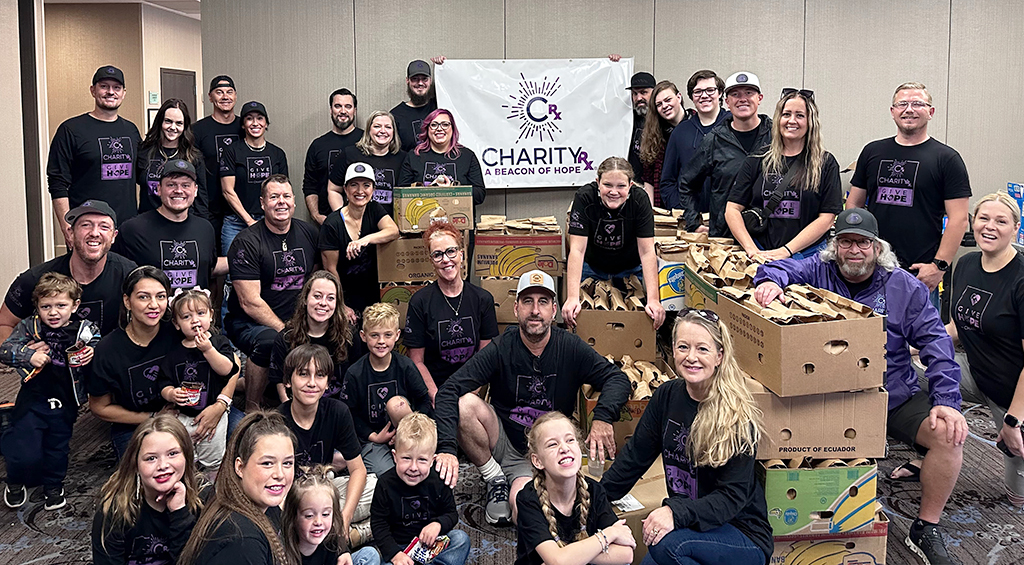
x: 614, y: 321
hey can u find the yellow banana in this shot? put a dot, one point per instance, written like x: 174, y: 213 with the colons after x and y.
x: 419, y: 207
x: 396, y: 294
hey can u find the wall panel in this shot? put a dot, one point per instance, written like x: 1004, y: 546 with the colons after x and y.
x: 13, y: 218
x: 171, y: 41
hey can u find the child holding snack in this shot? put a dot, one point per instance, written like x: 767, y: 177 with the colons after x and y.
x: 199, y: 376
x: 412, y: 507
x: 565, y: 517
x: 312, y: 535
x: 379, y: 386
x: 37, y: 443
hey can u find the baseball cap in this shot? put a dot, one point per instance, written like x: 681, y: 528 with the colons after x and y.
x: 418, y: 67
x: 108, y: 72
x: 642, y: 80
x: 90, y: 207
x: 538, y: 279
x: 254, y: 106
x: 359, y: 171
x: 221, y: 80
x: 178, y: 167
x: 857, y: 221
x: 743, y: 78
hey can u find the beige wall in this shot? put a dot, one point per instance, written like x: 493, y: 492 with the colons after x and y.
x: 852, y: 54
x: 170, y: 41
x: 13, y: 220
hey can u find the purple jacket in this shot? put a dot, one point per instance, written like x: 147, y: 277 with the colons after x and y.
x: 910, y: 319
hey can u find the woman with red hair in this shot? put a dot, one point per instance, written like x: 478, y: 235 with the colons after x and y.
x: 439, y: 160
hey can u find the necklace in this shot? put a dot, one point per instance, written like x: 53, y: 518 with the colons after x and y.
x: 168, y: 157
x: 455, y: 308
x: 260, y: 148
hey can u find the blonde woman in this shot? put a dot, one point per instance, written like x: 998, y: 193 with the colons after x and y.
x: 381, y: 148
x: 705, y: 426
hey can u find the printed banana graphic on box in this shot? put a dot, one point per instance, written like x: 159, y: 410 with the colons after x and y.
x: 511, y: 255
x: 416, y: 206
x: 420, y: 207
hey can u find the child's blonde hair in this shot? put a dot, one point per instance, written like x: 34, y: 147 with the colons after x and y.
x: 416, y: 430
x: 540, y: 479
x: 379, y: 315
x: 312, y: 480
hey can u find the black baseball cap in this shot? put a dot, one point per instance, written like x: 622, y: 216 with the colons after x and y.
x: 221, y: 80
x: 857, y: 221
x: 178, y: 167
x: 254, y: 106
x: 90, y: 207
x: 642, y: 80
x: 108, y: 72
x: 418, y: 67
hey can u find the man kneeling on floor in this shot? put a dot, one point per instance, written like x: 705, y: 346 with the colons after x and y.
x: 532, y: 369
x: 859, y: 265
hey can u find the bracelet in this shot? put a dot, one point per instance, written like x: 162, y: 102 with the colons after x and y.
x: 226, y: 405
x: 225, y: 398
x: 788, y: 250
x: 604, y: 544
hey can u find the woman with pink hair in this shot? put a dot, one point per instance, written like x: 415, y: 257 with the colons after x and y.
x: 439, y: 160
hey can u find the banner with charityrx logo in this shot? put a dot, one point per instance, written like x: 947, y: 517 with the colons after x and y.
x: 539, y: 122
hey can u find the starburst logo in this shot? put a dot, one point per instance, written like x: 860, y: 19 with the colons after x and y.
x: 533, y: 108
x: 896, y: 168
x: 179, y: 250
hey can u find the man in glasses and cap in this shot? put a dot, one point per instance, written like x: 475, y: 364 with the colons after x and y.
x: 860, y: 265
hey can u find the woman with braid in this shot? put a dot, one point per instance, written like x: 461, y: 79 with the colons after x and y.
x: 705, y: 426
x: 564, y: 517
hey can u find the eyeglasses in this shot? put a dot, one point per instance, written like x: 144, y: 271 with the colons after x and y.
x: 451, y: 252
x: 708, y: 315
x: 916, y: 104
x: 698, y: 92
x: 440, y: 125
x: 861, y: 243
x: 808, y: 94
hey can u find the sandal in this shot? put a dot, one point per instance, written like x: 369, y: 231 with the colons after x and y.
x: 910, y: 467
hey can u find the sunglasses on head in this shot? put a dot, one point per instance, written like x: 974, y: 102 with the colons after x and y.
x: 708, y: 315
x: 808, y: 94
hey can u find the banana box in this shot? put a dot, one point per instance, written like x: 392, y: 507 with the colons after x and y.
x: 672, y: 284
x: 863, y: 547
x: 503, y: 289
x: 415, y: 206
x: 406, y: 259
x: 629, y: 414
x: 823, y: 497
x: 508, y: 255
x: 398, y: 295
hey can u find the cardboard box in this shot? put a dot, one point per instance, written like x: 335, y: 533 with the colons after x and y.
x: 671, y: 284
x: 406, y: 259
x: 504, y: 292
x: 864, y: 547
x: 618, y: 333
x: 830, y: 500
x: 413, y: 206
x: 511, y: 255
x: 838, y: 424
x: 398, y: 295
x: 649, y: 491
x: 629, y: 415
x: 699, y: 292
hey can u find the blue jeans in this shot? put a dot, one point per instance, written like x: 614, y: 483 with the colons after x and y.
x: 589, y: 273
x: 456, y: 552
x: 812, y: 250
x: 232, y: 225
x: 723, y: 545
x: 120, y: 439
x: 234, y: 417
x: 933, y: 297
x: 366, y: 556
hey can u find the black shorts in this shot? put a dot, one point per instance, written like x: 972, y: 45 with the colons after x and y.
x: 905, y: 420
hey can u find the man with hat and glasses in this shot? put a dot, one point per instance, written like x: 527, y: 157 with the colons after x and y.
x: 858, y: 264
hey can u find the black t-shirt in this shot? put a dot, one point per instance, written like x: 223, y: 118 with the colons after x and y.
x: 988, y: 310
x: 409, y: 120
x: 399, y: 511
x: 188, y: 364
x: 449, y: 340
x: 746, y: 138
x: 332, y: 430
x: 129, y: 372
x: 250, y: 168
x: 367, y: 392
x: 280, y: 262
x: 533, y: 528
x: 428, y: 165
x: 358, y: 276
x: 238, y: 540
x: 94, y: 159
x: 185, y: 251
x: 856, y: 288
x: 386, y: 169
x: 634, y: 147
x: 281, y: 349
x: 156, y: 538
x: 611, y: 234
x: 907, y: 188
x: 798, y: 208
x: 101, y: 299
x: 211, y: 139
x: 320, y: 159
x: 149, y: 165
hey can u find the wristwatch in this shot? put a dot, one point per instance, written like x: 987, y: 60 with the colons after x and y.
x: 1011, y: 420
x: 942, y: 265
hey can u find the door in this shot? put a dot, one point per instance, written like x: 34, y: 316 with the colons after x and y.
x: 179, y: 84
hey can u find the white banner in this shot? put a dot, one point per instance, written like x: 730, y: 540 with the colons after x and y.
x: 539, y: 122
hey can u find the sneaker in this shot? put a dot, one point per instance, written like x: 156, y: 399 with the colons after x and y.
x: 926, y: 541
x: 498, y: 511
x: 360, y: 534
x: 55, y: 499
x: 15, y: 495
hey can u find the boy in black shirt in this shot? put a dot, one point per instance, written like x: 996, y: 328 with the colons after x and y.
x: 411, y: 502
x: 378, y: 387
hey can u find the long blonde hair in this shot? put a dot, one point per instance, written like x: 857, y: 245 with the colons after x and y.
x: 813, y: 155
x: 314, y: 479
x: 540, y: 479
x: 728, y: 422
x: 121, y: 497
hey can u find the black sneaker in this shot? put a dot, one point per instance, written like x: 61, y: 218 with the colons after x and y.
x: 926, y: 541
x: 498, y: 511
x: 55, y: 499
x: 15, y: 495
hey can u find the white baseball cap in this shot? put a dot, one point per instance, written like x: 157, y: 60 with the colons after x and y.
x: 359, y: 171
x: 536, y: 279
x: 742, y: 78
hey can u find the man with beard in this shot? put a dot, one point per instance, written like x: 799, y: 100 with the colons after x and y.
x: 269, y: 262
x: 640, y: 87
x: 213, y: 134
x: 321, y: 154
x: 181, y: 244
x: 532, y: 368
x: 409, y: 115
x: 91, y: 233
x: 909, y: 182
x: 858, y: 264
x: 92, y: 156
